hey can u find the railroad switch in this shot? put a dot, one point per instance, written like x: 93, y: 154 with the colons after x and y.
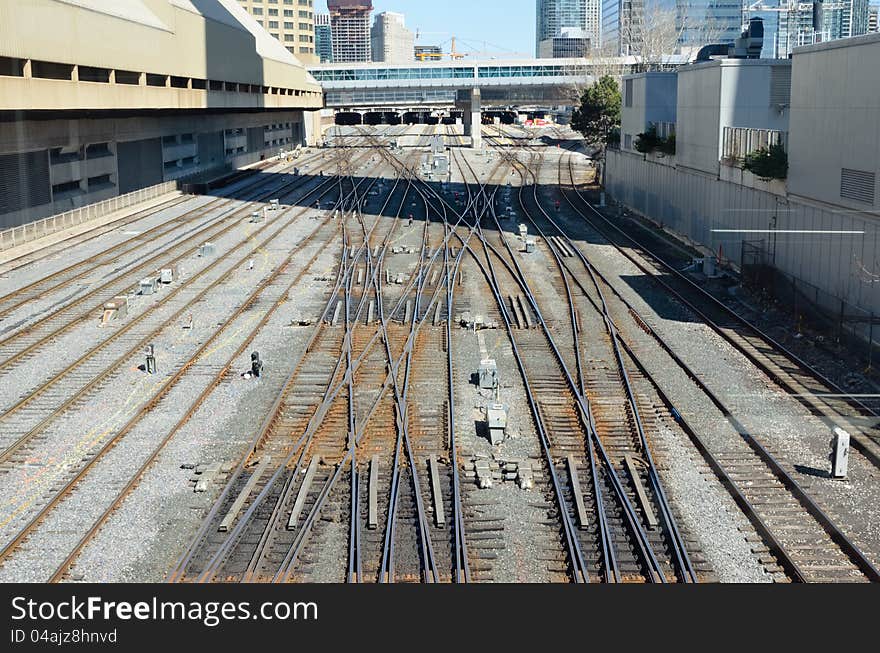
x: 257, y: 216
x: 839, y: 453
x: 530, y: 246
x: 166, y: 275
x: 207, y: 249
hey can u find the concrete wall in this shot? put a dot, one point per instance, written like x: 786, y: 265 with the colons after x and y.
x: 695, y: 205
x: 179, y: 145
x: 835, y: 124
x: 719, y: 94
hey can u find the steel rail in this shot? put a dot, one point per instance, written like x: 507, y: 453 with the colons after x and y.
x: 104, y: 374
x: 686, y: 571
x: 714, y: 302
x: 834, y: 532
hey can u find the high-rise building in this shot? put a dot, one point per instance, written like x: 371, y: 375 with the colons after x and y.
x: 292, y: 22
x: 700, y: 22
x: 840, y: 19
x: 391, y: 41
x: 622, y: 27
x: 350, y: 25
x: 323, y: 38
x: 567, y: 28
x: 873, y: 18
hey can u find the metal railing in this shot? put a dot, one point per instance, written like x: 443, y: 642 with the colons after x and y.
x: 739, y: 142
x: 33, y: 230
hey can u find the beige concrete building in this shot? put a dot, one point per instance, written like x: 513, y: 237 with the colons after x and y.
x: 292, y: 22
x: 101, y: 98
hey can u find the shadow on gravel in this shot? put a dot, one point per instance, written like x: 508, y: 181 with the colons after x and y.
x: 812, y: 471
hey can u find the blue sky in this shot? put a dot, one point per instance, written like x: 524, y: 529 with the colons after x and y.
x: 507, y: 26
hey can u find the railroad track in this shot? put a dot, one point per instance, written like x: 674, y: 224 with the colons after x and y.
x: 860, y: 415
x: 264, y: 301
x: 26, y: 421
x: 565, y: 421
x: 325, y: 442
x: 25, y: 343
x: 799, y: 535
x: 66, y: 277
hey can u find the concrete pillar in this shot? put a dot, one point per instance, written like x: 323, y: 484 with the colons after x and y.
x: 469, y: 102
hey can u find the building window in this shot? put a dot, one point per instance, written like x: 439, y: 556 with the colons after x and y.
x: 273, y: 24
x: 273, y: 12
x: 628, y: 92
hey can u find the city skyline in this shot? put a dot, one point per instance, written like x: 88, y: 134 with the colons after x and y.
x: 515, y: 32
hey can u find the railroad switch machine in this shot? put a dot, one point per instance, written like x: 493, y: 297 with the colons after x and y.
x: 496, y: 420
x: 488, y: 374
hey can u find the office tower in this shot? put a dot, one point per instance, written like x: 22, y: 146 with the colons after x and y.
x: 323, y: 38
x: 567, y: 28
x: 391, y: 41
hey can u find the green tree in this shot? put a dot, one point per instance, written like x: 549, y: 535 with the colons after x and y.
x: 598, y: 116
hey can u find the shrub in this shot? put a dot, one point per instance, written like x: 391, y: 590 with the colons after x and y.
x: 768, y: 163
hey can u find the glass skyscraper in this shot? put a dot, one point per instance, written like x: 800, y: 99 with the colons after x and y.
x: 566, y: 27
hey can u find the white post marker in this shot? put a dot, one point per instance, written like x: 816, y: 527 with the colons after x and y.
x: 839, y: 453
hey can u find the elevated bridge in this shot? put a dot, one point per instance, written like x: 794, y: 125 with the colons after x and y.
x: 406, y: 89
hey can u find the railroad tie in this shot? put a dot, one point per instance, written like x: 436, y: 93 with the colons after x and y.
x: 525, y: 310
x: 642, y: 495
x: 245, y: 493
x: 302, y: 493
x: 437, y: 496
x: 519, y: 323
x: 565, y: 247
x: 583, y: 522
x: 373, y: 498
